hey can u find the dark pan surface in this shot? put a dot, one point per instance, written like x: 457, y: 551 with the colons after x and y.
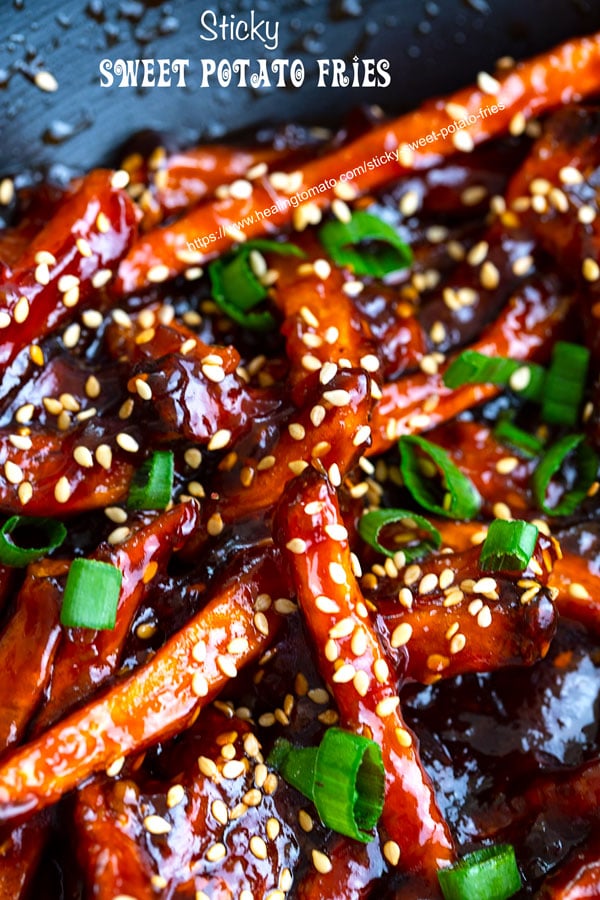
x: 433, y: 46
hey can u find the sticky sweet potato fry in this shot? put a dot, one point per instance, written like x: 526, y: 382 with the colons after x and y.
x: 354, y: 665
x: 158, y: 699
x: 87, y: 658
x: 523, y: 330
x: 89, y: 233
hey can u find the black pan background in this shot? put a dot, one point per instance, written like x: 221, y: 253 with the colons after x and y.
x: 434, y: 46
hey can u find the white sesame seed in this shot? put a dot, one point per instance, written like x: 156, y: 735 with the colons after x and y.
x: 578, y: 591
x: 296, y: 545
x: 45, y: 81
x: 66, y: 282
x: 428, y: 583
x: 157, y: 274
x: 342, y: 629
x: 21, y: 310
x: 586, y: 214
x: 62, y: 490
x: 337, y: 573
x: 99, y: 279
x: 7, y: 191
x: 520, y: 378
x: 337, y: 532
x: 387, y: 707
x: 5, y: 319
x: 391, y: 851
x: 321, y: 862
x: 214, y: 373
x: 488, y: 84
x: 344, y: 674
x: 13, y: 472
x: 233, y: 769
x: 216, y: 852
x: 127, y: 442
x: 401, y: 635
x: 220, y: 439
x: 463, y: 141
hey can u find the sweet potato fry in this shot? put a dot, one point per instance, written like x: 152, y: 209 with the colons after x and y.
x: 354, y: 664
x: 158, y: 699
x: 87, y: 658
x: 58, y: 273
x: 524, y: 330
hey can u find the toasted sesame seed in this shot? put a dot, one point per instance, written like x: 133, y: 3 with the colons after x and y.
x: 404, y: 737
x: 321, y: 862
x: 401, y: 635
x: 428, y: 583
x: 226, y: 666
x: 208, y: 767
x: 157, y: 274
x: 484, y: 617
x: 322, y: 269
x: 337, y: 573
x: 344, y: 674
x: 342, y: 629
x: 337, y: 532
x: 21, y: 310
x: 258, y: 848
x: 156, y: 825
x: 216, y: 852
x: 113, y: 769
x: 7, y: 191
x: 456, y: 110
x: 127, y: 442
x: 334, y: 475
x: 45, y: 81
x: 589, y: 269
x: 409, y: 203
x: 100, y: 278
x: 199, y: 685
x: 391, y: 851
x: 5, y: 319
x: 296, y: 545
x: 520, y: 378
x: 220, y: 439
x: 586, y: 214
x: 118, y: 535
x: 578, y: 591
x: 463, y: 141
x: 387, y: 707
x: 62, y: 490
x: 502, y: 511
x: 570, y: 175
x: 13, y: 472
x: 489, y: 276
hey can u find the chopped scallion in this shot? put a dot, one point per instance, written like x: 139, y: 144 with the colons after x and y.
x: 528, y: 445
x: 365, y: 244
x: 461, y: 500
x: 24, y: 539
x: 490, y: 873
x: 412, y: 542
x: 565, y: 383
x: 586, y: 462
x: 344, y: 777
x: 508, y: 546
x: 471, y: 367
x: 91, y: 595
x: 152, y: 485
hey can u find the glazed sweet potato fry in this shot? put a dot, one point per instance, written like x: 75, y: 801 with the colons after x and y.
x: 28, y: 646
x: 87, y: 658
x: 40, y: 473
x: 59, y: 272
x: 477, y: 623
x: 524, y: 330
x: 354, y: 665
x: 151, y: 704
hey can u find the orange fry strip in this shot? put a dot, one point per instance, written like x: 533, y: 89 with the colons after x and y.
x: 354, y: 665
x: 524, y: 330
x: 531, y: 88
x: 157, y: 700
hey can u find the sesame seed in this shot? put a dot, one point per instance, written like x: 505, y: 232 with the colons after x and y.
x: 62, y: 490
x: 344, y: 674
x: 233, y: 769
x: 7, y: 191
x: 428, y: 583
x: 45, y: 81
x: 502, y: 511
x: 333, y: 473
x: 337, y: 573
x: 489, y: 276
x: 158, y: 274
x: 586, y: 214
x: 21, y: 441
x: 359, y: 642
x: 156, y: 825
x: 409, y: 203
x: 578, y: 591
x: 457, y: 643
x: 570, y: 175
x: 401, y: 635
x: 322, y: 269
x: 387, y: 707
x: 199, y: 685
x: 220, y: 439
x: 103, y: 456
x: 341, y: 210
x: 403, y: 737
x: 381, y: 670
x: 5, y: 319
x: 337, y: 532
x: 463, y: 141
x: 216, y: 852
x: 21, y: 310
x: 297, y: 545
x: 589, y: 269
x: 118, y: 535
x: 208, y: 767
x: 478, y: 253
x: 391, y: 851
x: 127, y: 442
x: 100, y: 278
x: 520, y: 378
x: 36, y: 355
x: 517, y: 124
x: 214, y: 373
x: 226, y: 666
x: 342, y: 629
x: 327, y: 373
x: 113, y: 769
x: 456, y: 110
x: 258, y: 848
x: 321, y: 862
x: 506, y: 465
x: 13, y: 472
x: 484, y: 617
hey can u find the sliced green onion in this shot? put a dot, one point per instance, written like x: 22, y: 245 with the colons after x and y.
x: 344, y: 777
x: 565, y: 383
x: 152, y: 484
x: 508, y: 546
x: 526, y: 444
x: 237, y: 290
x: 370, y: 525
x: 19, y: 549
x: 365, y: 244
x: 490, y: 873
x: 462, y: 499
x: 471, y: 367
x: 587, y: 468
x: 91, y: 595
